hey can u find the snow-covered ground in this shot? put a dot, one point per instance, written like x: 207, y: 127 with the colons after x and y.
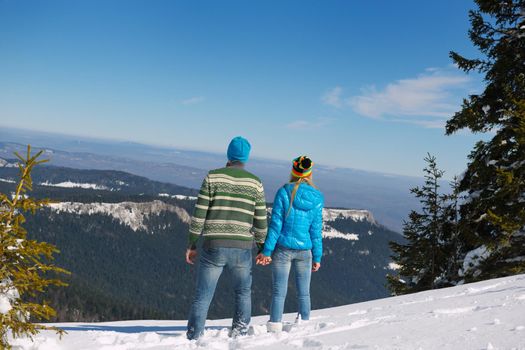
x: 70, y: 184
x: 484, y: 315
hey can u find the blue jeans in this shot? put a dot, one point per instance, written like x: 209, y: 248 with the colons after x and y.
x: 211, y: 264
x: 282, y: 260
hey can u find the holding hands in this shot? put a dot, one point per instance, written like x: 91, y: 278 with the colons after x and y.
x: 262, y: 259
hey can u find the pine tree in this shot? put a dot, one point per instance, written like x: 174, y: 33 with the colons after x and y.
x: 451, y: 244
x: 423, y: 260
x: 492, y: 223
x: 25, y: 269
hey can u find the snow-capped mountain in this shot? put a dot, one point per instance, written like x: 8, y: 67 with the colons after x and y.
x: 130, y: 214
x: 486, y: 315
x: 333, y: 214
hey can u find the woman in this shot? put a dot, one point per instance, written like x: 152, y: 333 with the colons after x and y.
x: 294, y: 240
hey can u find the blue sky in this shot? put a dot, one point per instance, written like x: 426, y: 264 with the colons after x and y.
x: 362, y: 84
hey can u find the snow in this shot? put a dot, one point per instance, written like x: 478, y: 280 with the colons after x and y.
x: 474, y: 258
x: 70, y: 184
x: 394, y: 266
x: 472, y: 196
x: 131, y: 214
x: 17, y: 246
x: 7, y: 297
x: 5, y: 164
x: 5, y: 304
x: 483, y: 315
x: 356, y: 215
x: 180, y: 196
x: 330, y: 233
x: 177, y: 196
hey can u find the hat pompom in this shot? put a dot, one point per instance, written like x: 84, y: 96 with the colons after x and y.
x: 306, y: 163
x: 302, y: 166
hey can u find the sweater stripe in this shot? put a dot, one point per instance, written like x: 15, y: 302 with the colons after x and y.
x: 231, y: 205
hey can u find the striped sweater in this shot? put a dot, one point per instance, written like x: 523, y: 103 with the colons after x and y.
x: 230, y: 210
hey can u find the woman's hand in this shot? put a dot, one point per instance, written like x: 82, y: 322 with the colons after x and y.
x: 316, y: 266
x: 262, y: 259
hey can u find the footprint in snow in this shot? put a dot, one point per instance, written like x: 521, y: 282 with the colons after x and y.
x: 323, y: 325
x: 495, y: 322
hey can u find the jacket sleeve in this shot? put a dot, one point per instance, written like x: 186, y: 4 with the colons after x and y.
x: 276, y: 224
x: 199, y: 214
x: 316, y: 233
x: 260, y: 218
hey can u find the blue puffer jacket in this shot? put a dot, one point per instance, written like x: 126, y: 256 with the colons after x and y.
x: 302, y: 228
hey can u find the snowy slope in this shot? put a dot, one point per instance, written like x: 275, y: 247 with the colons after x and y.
x: 131, y: 214
x: 484, y: 315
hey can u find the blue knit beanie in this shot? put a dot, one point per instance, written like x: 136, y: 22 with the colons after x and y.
x: 239, y: 149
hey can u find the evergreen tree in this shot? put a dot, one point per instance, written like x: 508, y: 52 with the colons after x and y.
x: 423, y: 259
x: 493, y: 215
x: 451, y: 233
x: 24, y: 264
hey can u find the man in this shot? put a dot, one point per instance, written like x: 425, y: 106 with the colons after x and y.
x: 230, y: 214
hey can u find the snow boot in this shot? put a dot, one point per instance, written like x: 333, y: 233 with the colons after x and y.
x: 274, y: 327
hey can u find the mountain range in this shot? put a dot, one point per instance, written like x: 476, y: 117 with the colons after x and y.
x: 123, y: 237
x: 386, y: 195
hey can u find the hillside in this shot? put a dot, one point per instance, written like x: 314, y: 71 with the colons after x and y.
x: 485, y: 315
x: 386, y: 195
x: 124, y: 239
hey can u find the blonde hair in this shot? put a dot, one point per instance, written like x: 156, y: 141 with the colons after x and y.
x: 298, y: 181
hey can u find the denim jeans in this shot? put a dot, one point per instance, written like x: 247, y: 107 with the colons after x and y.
x: 282, y: 261
x: 211, y: 264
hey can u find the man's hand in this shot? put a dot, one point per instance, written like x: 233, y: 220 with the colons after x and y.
x: 316, y: 266
x: 262, y: 259
x: 191, y: 255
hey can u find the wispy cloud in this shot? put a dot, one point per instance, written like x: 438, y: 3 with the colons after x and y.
x: 333, y: 97
x: 309, y: 124
x: 427, y: 100
x: 192, y: 100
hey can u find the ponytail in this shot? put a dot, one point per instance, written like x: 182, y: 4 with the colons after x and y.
x: 298, y: 182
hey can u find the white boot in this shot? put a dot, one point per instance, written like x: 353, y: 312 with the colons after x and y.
x: 274, y: 327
